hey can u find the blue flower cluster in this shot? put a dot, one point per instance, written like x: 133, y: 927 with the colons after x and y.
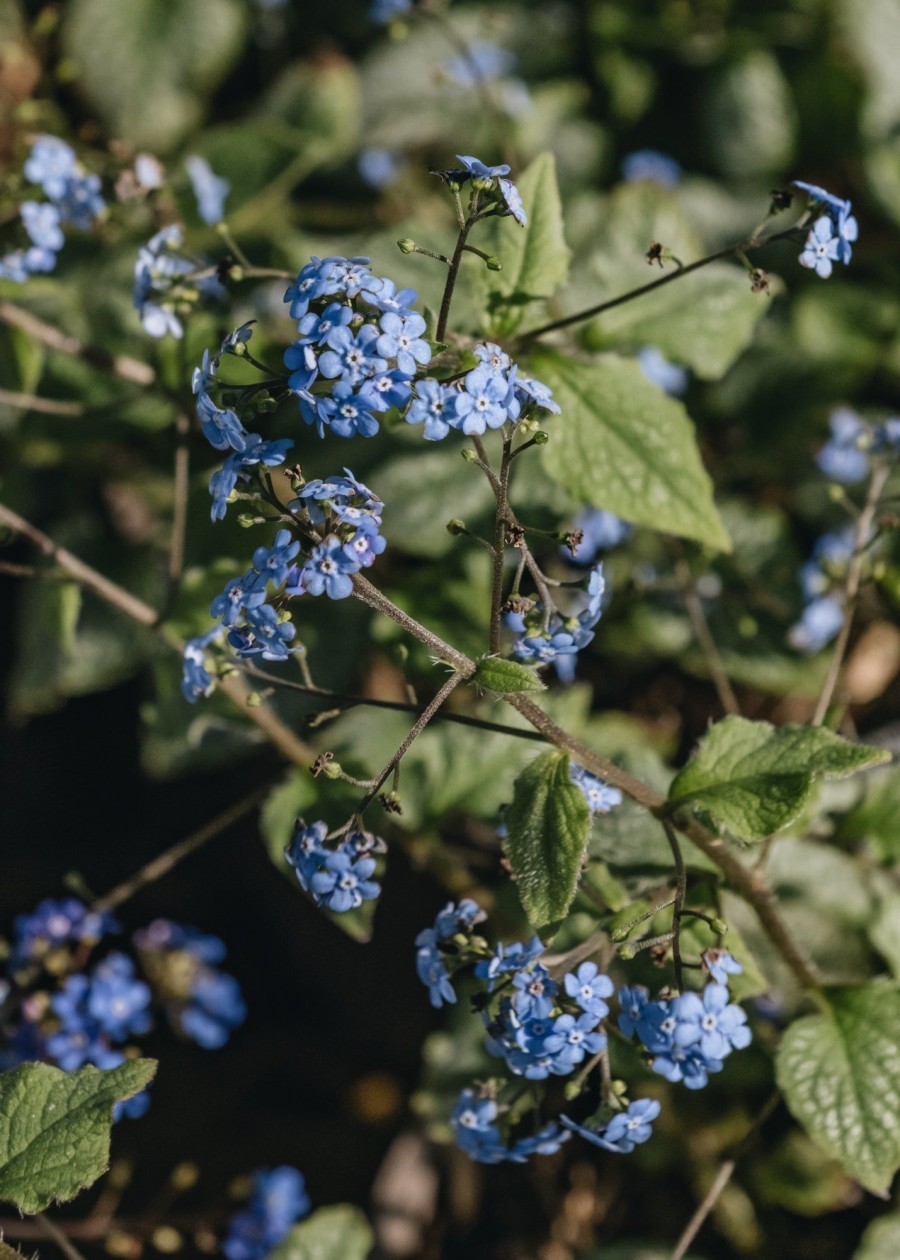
x: 255, y: 627
x: 347, y: 515
x: 688, y: 1036
x: 159, y: 293
x: 847, y: 456
x: 490, y: 396
x: 477, y: 1133
x: 54, y: 924
x: 823, y: 612
x: 544, y: 638
x: 624, y: 1131
x: 832, y: 235
x: 108, y: 1005
x: 223, y: 429
x: 73, y: 196
x: 202, y: 1002
x: 360, y: 339
x: 436, y: 945
x: 278, y: 1201
x: 338, y: 878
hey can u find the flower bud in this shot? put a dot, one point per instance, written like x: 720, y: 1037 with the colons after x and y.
x: 719, y: 926
x: 254, y: 700
x: 627, y: 952
x: 406, y: 246
x: 469, y: 455
x: 541, y: 438
x: 493, y: 263
x: 456, y: 527
x: 332, y: 770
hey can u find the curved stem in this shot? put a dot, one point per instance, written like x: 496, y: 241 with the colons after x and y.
x: 450, y: 284
x: 500, y: 524
x: 729, y: 251
x: 851, y: 590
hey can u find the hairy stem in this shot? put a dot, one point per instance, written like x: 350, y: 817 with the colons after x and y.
x: 500, y: 524
x: 678, y: 904
x: 452, y: 273
x: 424, y: 718
x: 752, y: 242
x: 851, y: 590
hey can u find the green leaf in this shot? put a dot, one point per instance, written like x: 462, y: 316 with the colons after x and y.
x: 884, y: 932
x: 547, y: 830
x: 504, y: 678
x: 621, y: 444
x: 875, y: 818
x: 881, y: 1241
x: 840, y: 1076
x: 704, y: 320
x: 749, y: 116
x: 754, y: 779
x: 340, y: 1232
x: 535, y: 258
x: 55, y: 1126
x: 184, y: 50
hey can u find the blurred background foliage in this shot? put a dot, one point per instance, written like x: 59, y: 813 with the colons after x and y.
x: 341, y: 1061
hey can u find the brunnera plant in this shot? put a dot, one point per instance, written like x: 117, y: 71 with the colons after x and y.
x: 651, y: 925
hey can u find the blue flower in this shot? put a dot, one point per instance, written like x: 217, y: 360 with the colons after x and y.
x: 483, y: 405
x: 435, y: 406
x: 347, y: 411
x: 482, y: 61
x: 379, y: 167
x: 272, y: 563
x: 117, y: 1000
x: 327, y: 571
x: 305, y: 849
x: 365, y: 545
x: 202, y: 1002
x: 670, y: 377
x: 512, y: 200
x: 530, y: 391
x: 344, y: 878
x: 279, y: 1200
x: 589, y: 986
x: 819, y: 197
x: 209, y: 189
x: 821, y: 249
x: 576, y: 1037
x: 235, y: 468
x: 600, y: 797
x: 478, y: 170
x: 506, y: 958
x: 388, y: 389
x: 196, y: 679
x: 652, y: 166
x: 239, y: 595
x: 845, y: 458
x: 389, y: 299
x: 163, y: 934
x: 51, y: 164
x: 352, y: 357
x: 81, y: 202
x: 819, y: 623
x: 401, y: 340
x: 159, y: 264
x: 711, y: 1022
x: 215, y: 1008
x: 685, y: 1064
x: 263, y: 634
x: 632, y: 1002
x: 314, y: 328
x: 431, y: 969
x: 54, y: 923
x: 221, y: 427
x: 720, y: 965
x: 312, y: 282
x: 535, y: 993
x: 41, y: 220
x: 626, y: 1130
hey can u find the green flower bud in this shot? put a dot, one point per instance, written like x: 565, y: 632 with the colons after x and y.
x: 456, y: 527
x: 493, y: 263
x: 406, y: 246
x: 627, y: 952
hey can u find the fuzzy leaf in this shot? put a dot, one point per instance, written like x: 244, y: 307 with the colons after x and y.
x: 340, y: 1232
x: 547, y: 830
x: 55, y: 1126
x: 621, y: 444
x: 881, y: 1241
x: 754, y: 779
x: 505, y: 678
x: 840, y: 1074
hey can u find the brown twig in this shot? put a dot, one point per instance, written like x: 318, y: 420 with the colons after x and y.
x: 121, y: 365
x: 66, y: 1246
x: 33, y: 402
x: 702, y: 634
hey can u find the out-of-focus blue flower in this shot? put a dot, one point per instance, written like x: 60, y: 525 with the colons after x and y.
x: 819, y: 623
x: 720, y: 965
x: 483, y: 61
x: 652, y: 166
x: 51, y: 163
x: 600, y: 797
x: 380, y: 167
x: 671, y: 378
x: 54, y: 923
x: 279, y: 1200
x: 41, y: 220
x: 385, y: 11
x: 209, y: 189
x: 601, y: 531
x: 844, y: 458
x: 431, y: 967
x: 202, y: 1002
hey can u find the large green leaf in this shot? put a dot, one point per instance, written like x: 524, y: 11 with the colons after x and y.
x: 547, y: 830
x: 621, y: 444
x: 705, y: 320
x: 535, y: 258
x: 753, y: 779
x: 54, y: 1128
x: 339, y: 1232
x: 881, y: 1241
x: 840, y: 1075
x: 148, y: 65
